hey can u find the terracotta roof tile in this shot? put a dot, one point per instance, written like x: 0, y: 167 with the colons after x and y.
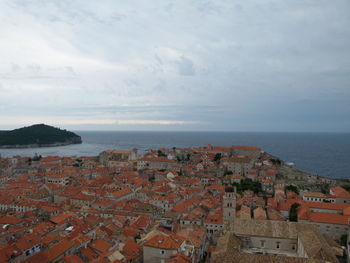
x: 172, y: 242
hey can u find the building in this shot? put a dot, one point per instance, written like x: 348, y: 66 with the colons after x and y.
x: 267, y: 186
x: 159, y: 163
x: 229, y: 204
x: 240, y: 165
x: 55, y: 178
x: 246, y: 150
x: 214, y: 223
x: 333, y: 225
x: 318, y: 197
x: 341, y: 195
x: 111, y: 158
x: 272, y: 241
x: 161, y: 247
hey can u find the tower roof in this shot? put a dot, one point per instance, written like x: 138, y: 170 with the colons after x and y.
x: 229, y: 189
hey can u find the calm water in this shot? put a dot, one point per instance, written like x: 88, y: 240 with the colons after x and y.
x: 326, y: 154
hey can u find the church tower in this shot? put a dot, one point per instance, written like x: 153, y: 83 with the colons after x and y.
x: 229, y: 204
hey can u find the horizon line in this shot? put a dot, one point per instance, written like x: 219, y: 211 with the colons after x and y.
x: 218, y: 131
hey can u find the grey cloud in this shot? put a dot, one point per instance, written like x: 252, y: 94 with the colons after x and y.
x: 161, y: 86
x: 158, y: 59
x: 186, y: 67
x: 36, y: 71
x: 35, y: 68
x: 249, y: 60
x: 15, y: 68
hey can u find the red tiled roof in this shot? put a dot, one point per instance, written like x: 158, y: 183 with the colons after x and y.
x: 339, y: 191
x: 82, y: 196
x: 251, y: 148
x: 10, y: 220
x: 51, y: 253
x: 285, y: 205
x: 62, y: 217
x: 28, y: 241
x: 72, y: 259
x: 100, y: 245
x: 328, y: 206
x: 214, y: 219
x: 122, y: 192
x: 178, y: 258
x: 131, y: 249
x: 327, y: 218
x: 172, y: 242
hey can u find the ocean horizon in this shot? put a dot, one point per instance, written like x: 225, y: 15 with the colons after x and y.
x: 323, y: 153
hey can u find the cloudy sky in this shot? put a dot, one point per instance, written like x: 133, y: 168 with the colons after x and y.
x: 225, y: 65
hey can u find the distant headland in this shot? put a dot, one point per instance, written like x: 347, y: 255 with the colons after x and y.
x: 38, y: 135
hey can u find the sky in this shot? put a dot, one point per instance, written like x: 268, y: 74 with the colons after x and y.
x: 200, y: 65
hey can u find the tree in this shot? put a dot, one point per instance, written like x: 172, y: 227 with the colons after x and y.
x: 276, y: 161
x: 325, y: 189
x: 161, y: 154
x: 228, y: 172
x: 292, y: 188
x: 343, y: 240
x: 346, y: 187
x: 293, y: 213
x: 217, y: 157
x: 247, y: 184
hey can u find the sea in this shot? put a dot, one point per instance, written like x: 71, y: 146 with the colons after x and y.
x: 325, y: 154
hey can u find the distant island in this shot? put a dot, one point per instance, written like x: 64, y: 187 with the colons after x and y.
x: 38, y: 135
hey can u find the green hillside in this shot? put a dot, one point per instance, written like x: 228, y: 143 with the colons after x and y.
x: 39, y: 134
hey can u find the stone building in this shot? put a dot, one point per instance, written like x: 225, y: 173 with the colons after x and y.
x: 240, y: 165
x: 246, y: 150
x: 272, y: 241
x: 112, y: 158
x: 161, y: 247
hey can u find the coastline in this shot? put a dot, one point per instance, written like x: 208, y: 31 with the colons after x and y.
x: 319, y: 154
x: 28, y: 146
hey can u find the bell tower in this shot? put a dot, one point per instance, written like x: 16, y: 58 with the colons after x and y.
x: 229, y: 204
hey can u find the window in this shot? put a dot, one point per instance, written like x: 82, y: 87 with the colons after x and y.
x: 293, y: 247
x: 262, y: 243
x: 162, y: 252
x: 277, y: 244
